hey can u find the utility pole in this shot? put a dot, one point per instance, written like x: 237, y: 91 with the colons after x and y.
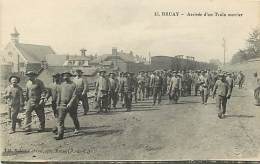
x: 224, y: 47
x: 18, y: 63
x: 149, y: 60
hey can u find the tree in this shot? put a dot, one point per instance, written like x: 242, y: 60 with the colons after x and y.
x: 215, y: 62
x: 251, y: 51
x: 254, y: 43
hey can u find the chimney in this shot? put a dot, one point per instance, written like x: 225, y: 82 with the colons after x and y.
x: 83, y: 52
x: 114, y: 51
x: 15, y: 36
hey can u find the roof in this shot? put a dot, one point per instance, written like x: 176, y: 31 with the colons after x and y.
x: 107, y: 63
x: 124, y: 56
x: 55, y: 60
x: 34, y: 53
x: 77, y: 57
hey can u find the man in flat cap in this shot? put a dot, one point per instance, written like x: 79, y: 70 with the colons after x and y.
x: 35, y: 97
x: 102, y: 91
x: 53, y: 93
x: 67, y: 103
x: 82, y: 90
x: 14, y: 98
x: 222, y: 92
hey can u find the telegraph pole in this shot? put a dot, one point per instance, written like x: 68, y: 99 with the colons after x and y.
x: 224, y: 47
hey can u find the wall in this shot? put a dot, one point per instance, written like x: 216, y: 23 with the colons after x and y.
x: 12, y: 56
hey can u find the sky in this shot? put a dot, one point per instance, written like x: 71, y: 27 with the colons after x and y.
x: 70, y: 25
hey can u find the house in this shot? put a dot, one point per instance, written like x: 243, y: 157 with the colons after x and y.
x: 24, y: 57
x: 118, y: 60
x: 78, y: 60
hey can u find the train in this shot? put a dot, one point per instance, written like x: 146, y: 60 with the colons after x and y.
x: 180, y: 63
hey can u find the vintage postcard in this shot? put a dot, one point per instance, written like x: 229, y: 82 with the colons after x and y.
x: 139, y: 80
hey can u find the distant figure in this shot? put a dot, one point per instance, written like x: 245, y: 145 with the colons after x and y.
x: 102, y: 91
x: 126, y: 89
x: 140, y: 86
x: 113, y: 96
x: 222, y: 91
x: 14, y: 97
x: 204, y: 87
x: 173, y: 88
x: 241, y: 79
x: 156, y: 84
x: 230, y: 81
x: 146, y: 85
x: 82, y: 90
x: 257, y: 89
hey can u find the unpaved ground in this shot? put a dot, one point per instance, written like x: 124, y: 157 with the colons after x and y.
x: 188, y: 130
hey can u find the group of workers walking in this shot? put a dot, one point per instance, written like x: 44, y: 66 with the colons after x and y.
x: 66, y: 92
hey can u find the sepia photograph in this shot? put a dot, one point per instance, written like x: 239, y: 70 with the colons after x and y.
x: 130, y: 81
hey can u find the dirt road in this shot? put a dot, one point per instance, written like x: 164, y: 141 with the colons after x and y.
x: 188, y: 130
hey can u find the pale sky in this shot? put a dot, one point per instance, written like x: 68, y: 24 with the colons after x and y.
x: 69, y: 25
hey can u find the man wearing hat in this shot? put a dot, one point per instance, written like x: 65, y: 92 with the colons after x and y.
x: 114, y: 87
x: 196, y: 81
x: 135, y: 85
x: 35, y: 97
x: 241, y: 79
x: 127, y: 88
x: 156, y: 84
x: 53, y: 93
x: 204, y: 87
x: 174, y: 87
x: 82, y: 90
x: 146, y: 85
x: 222, y: 92
x: 102, y: 91
x: 67, y: 103
x: 120, y: 80
x: 230, y: 81
x: 140, y: 86
x: 14, y: 98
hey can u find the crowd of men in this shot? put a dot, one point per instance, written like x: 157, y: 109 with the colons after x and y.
x: 67, y: 91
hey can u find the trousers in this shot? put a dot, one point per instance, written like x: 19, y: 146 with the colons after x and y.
x: 128, y: 100
x: 13, y: 113
x: 221, y: 102
x: 157, y: 94
x: 204, y: 93
x: 62, y: 115
x: 113, y: 98
x: 39, y: 110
